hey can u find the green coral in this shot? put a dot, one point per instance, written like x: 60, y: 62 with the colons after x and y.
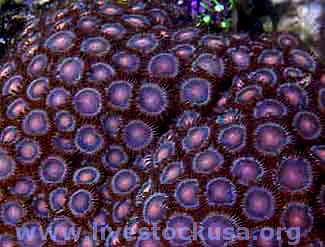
x: 232, y: 4
x: 225, y: 24
x: 15, y: 1
x: 206, y: 18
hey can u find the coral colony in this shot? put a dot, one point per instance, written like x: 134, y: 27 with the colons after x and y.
x: 111, y: 113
